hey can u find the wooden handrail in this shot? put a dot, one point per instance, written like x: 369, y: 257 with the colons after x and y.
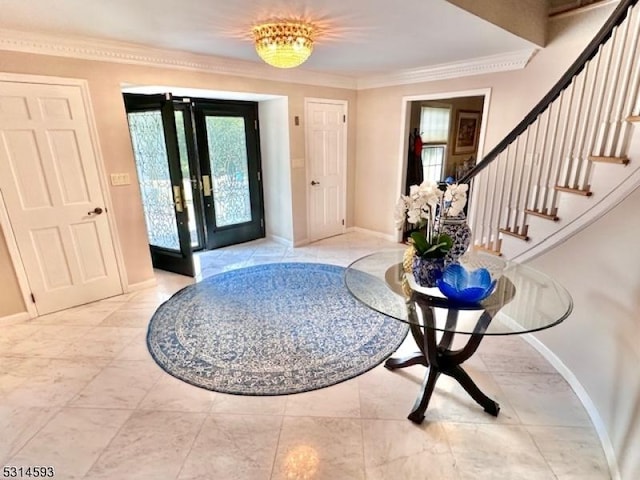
x: 616, y: 18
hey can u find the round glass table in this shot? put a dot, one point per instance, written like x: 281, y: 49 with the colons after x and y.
x: 523, y: 301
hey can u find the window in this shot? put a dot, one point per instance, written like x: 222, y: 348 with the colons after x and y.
x: 434, y: 128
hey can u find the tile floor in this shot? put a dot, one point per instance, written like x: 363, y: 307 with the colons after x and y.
x: 79, y: 391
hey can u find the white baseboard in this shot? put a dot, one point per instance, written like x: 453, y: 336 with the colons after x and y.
x: 15, y: 318
x: 280, y: 240
x: 134, y: 287
x: 584, y: 398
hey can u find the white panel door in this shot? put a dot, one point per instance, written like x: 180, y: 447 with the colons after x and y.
x: 50, y: 184
x: 326, y: 167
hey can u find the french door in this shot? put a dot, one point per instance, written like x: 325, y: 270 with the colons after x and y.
x: 203, y: 189
x: 154, y: 137
x: 231, y: 175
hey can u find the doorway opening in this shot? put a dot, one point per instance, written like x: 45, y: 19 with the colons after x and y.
x: 199, y: 168
x: 443, y: 137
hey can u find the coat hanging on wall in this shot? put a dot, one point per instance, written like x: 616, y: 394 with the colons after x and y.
x: 415, y: 175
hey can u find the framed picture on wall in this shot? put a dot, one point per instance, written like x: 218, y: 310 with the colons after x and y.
x: 467, y: 130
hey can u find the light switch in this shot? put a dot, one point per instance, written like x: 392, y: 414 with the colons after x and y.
x: 120, y: 179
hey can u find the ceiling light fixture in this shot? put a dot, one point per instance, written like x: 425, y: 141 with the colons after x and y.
x: 284, y: 43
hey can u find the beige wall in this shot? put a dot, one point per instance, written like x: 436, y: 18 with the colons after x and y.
x: 380, y: 150
x: 276, y: 174
x: 105, y: 80
x: 600, y: 341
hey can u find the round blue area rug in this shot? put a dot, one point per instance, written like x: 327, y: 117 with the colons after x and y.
x: 271, y: 329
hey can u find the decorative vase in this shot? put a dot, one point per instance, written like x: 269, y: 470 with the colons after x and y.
x: 427, y: 271
x: 459, y: 231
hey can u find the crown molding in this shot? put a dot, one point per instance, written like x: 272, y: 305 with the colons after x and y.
x: 127, y: 53
x: 119, y: 52
x: 477, y: 66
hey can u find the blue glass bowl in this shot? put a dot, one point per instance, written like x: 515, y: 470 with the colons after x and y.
x: 465, y: 286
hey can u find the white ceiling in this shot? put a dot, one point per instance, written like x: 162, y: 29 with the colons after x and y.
x: 359, y: 37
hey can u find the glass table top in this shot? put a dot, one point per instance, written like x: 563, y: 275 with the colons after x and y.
x: 523, y: 301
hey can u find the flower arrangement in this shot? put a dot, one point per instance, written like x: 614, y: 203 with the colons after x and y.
x: 419, y: 209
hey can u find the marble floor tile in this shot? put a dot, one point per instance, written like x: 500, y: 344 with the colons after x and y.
x: 129, y: 318
x: 102, y: 341
x: 320, y: 448
x: 543, y: 399
x: 172, y: 394
x: 18, y: 425
x: 49, y: 341
x: 450, y: 402
x: 123, y: 384
x: 389, y: 395
x: 341, y: 400
x: 150, y: 445
x: 87, y: 315
x: 48, y: 383
x: 243, y: 404
x: 506, y: 363
x: 506, y: 345
x: 136, y: 349
x: 72, y: 441
x: 495, y: 452
x: 573, y: 453
x: 233, y: 446
x: 399, y: 449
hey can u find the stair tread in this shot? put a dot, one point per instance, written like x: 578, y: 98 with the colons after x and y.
x: 633, y: 118
x: 577, y: 191
x: 605, y: 159
x: 547, y: 216
x: 521, y: 236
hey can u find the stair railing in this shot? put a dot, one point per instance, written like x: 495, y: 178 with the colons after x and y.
x: 580, y: 121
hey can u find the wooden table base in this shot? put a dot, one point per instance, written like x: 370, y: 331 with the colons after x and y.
x: 440, y: 359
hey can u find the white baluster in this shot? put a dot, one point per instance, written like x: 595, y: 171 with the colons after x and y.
x: 510, y: 186
x: 551, y: 157
x: 630, y: 102
x: 524, y: 175
x: 627, y: 51
x: 560, y: 151
x: 617, y: 42
x: 502, y: 191
x: 602, y: 79
x: 581, y: 154
x: 572, y: 130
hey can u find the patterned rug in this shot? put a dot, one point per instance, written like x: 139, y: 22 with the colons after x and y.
x: 271, y: 329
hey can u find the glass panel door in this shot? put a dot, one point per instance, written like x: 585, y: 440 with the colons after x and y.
x: 190, y: 173
x: 229, y: 170
x: 154, y: 139
x: 230, y: 164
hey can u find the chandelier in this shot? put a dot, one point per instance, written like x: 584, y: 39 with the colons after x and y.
x: 284, y: 43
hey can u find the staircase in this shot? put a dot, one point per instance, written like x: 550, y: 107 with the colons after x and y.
x: 570, y: 159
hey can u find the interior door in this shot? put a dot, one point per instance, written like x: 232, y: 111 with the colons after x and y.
x: 154, y: 138
x: 326, y: 167
x: 50, y: 183
x: 228, y: 145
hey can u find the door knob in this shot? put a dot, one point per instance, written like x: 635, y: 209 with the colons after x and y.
x: 313, y: 182
x: 95, y: 211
